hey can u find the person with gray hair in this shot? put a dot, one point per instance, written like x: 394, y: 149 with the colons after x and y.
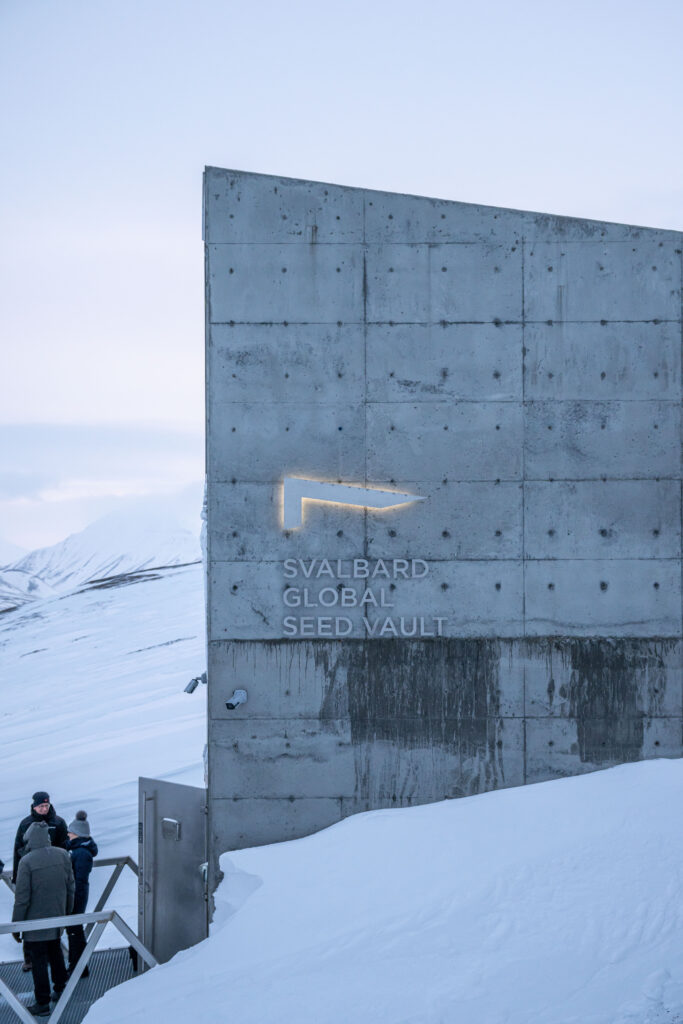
x: 82, y: 850
x: 45, y: 888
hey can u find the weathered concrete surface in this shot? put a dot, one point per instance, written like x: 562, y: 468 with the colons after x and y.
x: 522, y: 372
x: 385, y: 723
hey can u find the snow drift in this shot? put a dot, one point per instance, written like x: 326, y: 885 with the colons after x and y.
x: 556, y: 903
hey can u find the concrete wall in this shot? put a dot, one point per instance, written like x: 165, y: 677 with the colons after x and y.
x: 522, y: 373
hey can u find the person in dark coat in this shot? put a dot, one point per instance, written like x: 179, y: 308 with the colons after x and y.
x: 45, y: 888
x: 41, y: 810
x: 82, y: 850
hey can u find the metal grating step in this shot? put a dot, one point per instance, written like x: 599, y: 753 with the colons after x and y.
x: 108, y: 967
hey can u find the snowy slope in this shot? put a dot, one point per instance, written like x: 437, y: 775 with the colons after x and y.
x: 559, y: 903
x: 117, y: 543
x: 92, y: 697
x: 143, y: 533
x: 18, y: 587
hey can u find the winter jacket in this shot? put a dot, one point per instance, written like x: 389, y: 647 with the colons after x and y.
x: 82, y: 851
x: 58, y: 834
x: 45, y: 883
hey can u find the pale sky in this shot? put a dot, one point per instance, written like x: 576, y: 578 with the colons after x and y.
x: 111, y: 108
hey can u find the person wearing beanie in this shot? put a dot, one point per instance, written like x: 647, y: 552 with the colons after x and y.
x: 41, y: 810
x: 45, y: 888
x: 82, y: 850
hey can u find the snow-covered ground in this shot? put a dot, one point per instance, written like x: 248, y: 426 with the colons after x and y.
x: 558, y: 903
x: 92, y: 697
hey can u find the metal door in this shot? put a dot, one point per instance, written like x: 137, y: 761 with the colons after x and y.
x: 172, y: 891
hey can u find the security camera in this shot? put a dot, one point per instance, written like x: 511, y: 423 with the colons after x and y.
x: 194, y: 683
x: 238, y: 697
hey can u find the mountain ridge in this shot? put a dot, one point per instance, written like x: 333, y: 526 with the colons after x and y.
x: 150, y: 534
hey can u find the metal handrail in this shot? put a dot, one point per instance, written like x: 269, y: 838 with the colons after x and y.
x: 98, y: 920
x: 118, y: 863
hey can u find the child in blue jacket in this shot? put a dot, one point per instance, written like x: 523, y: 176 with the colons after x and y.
x: 82, y: 850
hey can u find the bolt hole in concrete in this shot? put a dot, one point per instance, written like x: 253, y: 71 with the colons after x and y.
x: 551, y: 533
x: 497, y: 586
x: 551, y: 586
x: 656, y: 586
x: 234, y: 586
x: 498, y: 533
x: 603, y: 585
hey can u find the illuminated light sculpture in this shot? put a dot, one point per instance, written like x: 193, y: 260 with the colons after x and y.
x: 296, y: 490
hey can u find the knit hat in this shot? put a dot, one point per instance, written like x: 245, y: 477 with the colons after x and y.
x: 41, y: 797
x: 80, y: 826
x: 37, y: 835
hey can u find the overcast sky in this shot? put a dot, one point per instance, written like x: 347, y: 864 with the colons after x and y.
x: 111, y: 108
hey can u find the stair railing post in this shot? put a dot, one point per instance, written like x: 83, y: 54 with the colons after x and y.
x: 64, y: 998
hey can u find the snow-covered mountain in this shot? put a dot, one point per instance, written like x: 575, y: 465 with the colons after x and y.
x: 18, y: 587
x: 146, y: 534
